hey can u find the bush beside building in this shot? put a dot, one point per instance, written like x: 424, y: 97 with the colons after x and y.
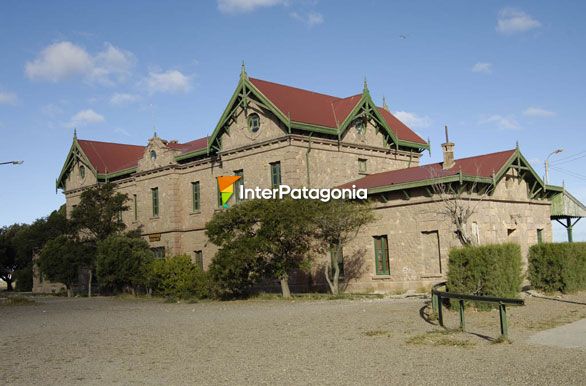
x: 558, y: 266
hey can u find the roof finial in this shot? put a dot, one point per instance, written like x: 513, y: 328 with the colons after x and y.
x: 365, y: 90
x: 385, y: 106
x: 243, y: 74
x: 74, y: 133
x: 517, y: 145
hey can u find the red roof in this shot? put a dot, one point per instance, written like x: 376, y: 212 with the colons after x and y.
x: 323, y: 110
x: 478, y: 166
x: 108, y: 157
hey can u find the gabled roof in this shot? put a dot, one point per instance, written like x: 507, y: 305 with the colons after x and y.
x: 564, y: 205
x: 108, y: 157
x: 329, y: 111
x: 480, y: 166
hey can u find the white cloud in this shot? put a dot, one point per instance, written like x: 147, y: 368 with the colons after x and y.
x: 120, y: 99
x: 171, y: 81
x: 238, y: 6
x: 482, y: 67
x: 8, y: 98
x: 537, y: 112
x: 502, y: 122
x: 310, y: 19
x: 512, y: 20
x: 84, y: 118
x: 413, y: 120
x: 65, y: 60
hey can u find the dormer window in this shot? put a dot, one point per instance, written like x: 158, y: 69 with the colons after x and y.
x: 254, y: 122
x: 153, y: 155
x: 82, y: 171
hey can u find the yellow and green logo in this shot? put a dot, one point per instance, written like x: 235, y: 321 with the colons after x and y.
x: 226, y: 186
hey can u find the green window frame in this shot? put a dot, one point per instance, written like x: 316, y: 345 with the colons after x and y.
x: 135, y: 207
x: 381, y: 255
x: 219, y: 194
x: 198, y: 258
x: 362, y: 166
x: 155, y: 201
x: 275, y: 174
x: 238, y: 185
x: 540, y: 236
x: 195, y: 197
x: 339, y: 259
x: 158, y: 252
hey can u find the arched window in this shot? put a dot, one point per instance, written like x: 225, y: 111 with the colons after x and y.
x: 82, y: 171
x: 254, y: 122
x: 153, y: 155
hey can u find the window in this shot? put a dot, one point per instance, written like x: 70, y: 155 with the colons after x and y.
x: 219, y: 194
x: 475, y: 233
x: 539, y: 236
x: 195, y: 197
x: 360, y: 126
x: 82, y: 171
x: 155, y: 199
x: 159, y: 252
x: 275, y: 174
x: 511, y: 232
x: 254, y: 122
x: 153, y: 155
x: 198, y: 255
x: 381, y: 255
x: 135, y: 207
x: 339, y: 259
x: 361, y: 165
x: 238, y: 185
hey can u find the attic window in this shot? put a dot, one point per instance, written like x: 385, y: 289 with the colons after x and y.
x: 153, y: 155
x: 82, y: 171
x: 359, y: 124
x: 254, y: 122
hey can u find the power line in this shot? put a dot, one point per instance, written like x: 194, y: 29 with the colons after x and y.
x: 569, y: 158
x: 570, y: 173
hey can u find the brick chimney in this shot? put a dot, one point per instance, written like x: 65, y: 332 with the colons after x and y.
x: 448, y: 150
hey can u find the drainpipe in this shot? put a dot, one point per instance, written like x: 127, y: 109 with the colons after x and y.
x: 307, y: 161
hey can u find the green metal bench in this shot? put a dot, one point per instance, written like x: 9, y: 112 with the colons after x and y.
x: 437, y: 296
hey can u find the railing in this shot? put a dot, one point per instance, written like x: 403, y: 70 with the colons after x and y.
x: 437, y: 297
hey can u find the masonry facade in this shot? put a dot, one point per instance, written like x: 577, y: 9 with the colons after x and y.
x: 272, y: 134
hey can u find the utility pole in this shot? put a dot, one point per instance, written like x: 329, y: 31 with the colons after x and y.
x: 557, y: 151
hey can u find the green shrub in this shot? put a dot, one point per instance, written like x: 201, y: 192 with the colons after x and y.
x: 558, y: 266
x: 486, y: 270
x: 121, y: 262
x: 177, y: 277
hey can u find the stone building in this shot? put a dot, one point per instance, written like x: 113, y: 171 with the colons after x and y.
x: 272, y: 134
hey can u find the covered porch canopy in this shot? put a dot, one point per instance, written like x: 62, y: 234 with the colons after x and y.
x: 567, y: 210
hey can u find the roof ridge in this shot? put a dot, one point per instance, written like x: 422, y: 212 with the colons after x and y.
x: 109, y: 143
x: 301, y: 89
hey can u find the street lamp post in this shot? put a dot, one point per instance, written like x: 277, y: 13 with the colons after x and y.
x: 557, y: 151
x: 11, y: 162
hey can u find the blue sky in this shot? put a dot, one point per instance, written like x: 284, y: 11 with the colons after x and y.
x: 495, y: 72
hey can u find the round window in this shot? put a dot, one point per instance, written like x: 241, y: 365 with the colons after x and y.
x: 254, y: 122
x: 153, y: 155
x: 82, y: 171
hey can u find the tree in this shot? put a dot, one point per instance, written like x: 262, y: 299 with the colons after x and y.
x: 281, y: 231
x: 61, y: 259
x: 97, y: 216
x: 121, y: 262
x: 458, y: 201
x: 9, y: 262
x: 337, y: 223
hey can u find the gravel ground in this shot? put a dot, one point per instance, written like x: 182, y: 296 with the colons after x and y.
x: 385, y: 341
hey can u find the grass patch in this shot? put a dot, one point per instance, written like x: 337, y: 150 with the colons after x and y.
x: 377, y: 333
x: 16, y: 301
x: 571, y: 317
x: 314, y: 296
x: 439, y: 338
